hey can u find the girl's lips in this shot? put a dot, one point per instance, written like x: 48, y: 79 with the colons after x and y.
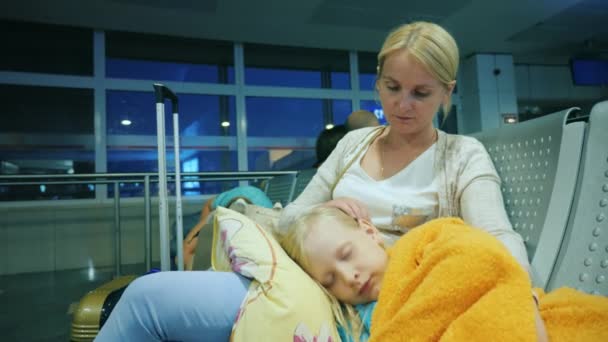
x: 365, y: 288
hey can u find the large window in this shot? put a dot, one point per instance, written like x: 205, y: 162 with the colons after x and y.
x: 154, y: 57
x: 368, y: 63
x: 58, y: 129
x: 134, y: 113
x: 207, y: 131
x: 296, y: 67
x: 46, y: 131
x: 282, y: 131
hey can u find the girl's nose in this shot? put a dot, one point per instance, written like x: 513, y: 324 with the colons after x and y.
x: 350, y: 275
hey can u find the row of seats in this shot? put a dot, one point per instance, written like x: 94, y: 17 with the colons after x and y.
x: 286, y: 188
x: 554, y: 173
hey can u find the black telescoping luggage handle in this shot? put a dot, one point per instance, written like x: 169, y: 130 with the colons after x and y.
x: 163, y: 93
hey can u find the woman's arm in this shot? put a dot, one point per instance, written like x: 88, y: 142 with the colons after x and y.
x: 482, y: 206
x: 541, y: 331
x: 318, y: 191
x: 480, y: 199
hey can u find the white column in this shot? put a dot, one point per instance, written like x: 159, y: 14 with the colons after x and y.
x: 487, y: 92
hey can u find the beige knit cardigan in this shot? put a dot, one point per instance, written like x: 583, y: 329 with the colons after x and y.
x: 468, y: 185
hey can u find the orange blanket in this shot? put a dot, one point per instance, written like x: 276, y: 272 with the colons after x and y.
x: 449, y: 282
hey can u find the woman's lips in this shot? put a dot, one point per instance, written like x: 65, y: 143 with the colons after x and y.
x: 404, y: 118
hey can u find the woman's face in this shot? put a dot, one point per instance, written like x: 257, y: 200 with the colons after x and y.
x: 409, y: 94
x: 348, y: 262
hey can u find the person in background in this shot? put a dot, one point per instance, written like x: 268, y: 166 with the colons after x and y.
x: 327, y: 141
x: 359, y: 119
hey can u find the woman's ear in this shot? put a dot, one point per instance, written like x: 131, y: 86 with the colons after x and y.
x: 370, y: 230
x: 450, y: 89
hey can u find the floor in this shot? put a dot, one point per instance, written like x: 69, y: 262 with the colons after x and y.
x: 36, y: 306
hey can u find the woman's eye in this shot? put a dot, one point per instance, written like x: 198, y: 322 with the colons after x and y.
x: 392, y: 88
x: 421, y: 94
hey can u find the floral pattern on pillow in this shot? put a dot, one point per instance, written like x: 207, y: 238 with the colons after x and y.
x: 303, y: 334
x: 245, y: 246
x: 240, y: 262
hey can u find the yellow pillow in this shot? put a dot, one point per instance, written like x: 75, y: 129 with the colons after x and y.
x: 283, y: 303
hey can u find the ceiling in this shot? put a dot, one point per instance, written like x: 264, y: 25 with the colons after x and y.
x: 536, y: 32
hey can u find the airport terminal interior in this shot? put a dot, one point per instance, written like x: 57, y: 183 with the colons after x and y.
x: 257, y: 83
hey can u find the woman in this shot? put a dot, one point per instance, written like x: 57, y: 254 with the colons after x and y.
x: 408, y: 172
x: 400, y: 176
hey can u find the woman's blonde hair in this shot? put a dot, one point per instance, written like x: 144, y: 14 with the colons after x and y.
x: 292, y: 242
x: 431, y: 45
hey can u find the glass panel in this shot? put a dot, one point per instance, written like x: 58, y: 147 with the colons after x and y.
x: 281, y: 159
x: 282, y: 131
x: 44, y: 48
x: 341, y: 110
x: 292, y: 117
x: 296, y: 67
x: 156, y: 57
x: 46, y: 131
x: 166, y: 71
x: 191, y: 160
x: 200, y: 115
x: 368, y: 63
x: 132, y: 147
x: 46, y: 161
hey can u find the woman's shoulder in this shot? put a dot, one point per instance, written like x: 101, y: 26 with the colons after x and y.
x: 358, y: 136
x: 462, y: 143
x: 361, y: 133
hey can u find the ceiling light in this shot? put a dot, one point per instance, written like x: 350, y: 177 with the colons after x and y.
x: 126, y: 122
x: 225, y: 123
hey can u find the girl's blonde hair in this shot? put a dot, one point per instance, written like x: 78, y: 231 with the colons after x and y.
x: 431, y: 45
x: 292, y: 242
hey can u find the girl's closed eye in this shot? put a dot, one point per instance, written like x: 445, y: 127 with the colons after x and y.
x: 346, y: 252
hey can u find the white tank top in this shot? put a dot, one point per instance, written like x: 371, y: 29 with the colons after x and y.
x: 398, y: 203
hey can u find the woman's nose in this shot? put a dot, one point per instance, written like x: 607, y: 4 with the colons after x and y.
x: 405, y: 101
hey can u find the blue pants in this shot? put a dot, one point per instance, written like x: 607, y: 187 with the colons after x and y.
x: 177, y: 306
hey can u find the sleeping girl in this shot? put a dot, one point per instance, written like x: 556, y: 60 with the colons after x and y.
x: 442, y: 281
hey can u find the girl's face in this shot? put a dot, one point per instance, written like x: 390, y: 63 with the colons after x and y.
x: 348, y: 262
x: 409, y: 94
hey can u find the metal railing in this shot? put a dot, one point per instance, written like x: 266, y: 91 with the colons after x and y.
x: 115, y: 179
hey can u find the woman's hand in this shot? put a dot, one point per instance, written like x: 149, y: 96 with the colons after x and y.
x: 350, y: 206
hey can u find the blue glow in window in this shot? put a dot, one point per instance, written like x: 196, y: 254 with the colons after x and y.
x: 167, y: 71
x: 200, y: 115
x: 367, y: 81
